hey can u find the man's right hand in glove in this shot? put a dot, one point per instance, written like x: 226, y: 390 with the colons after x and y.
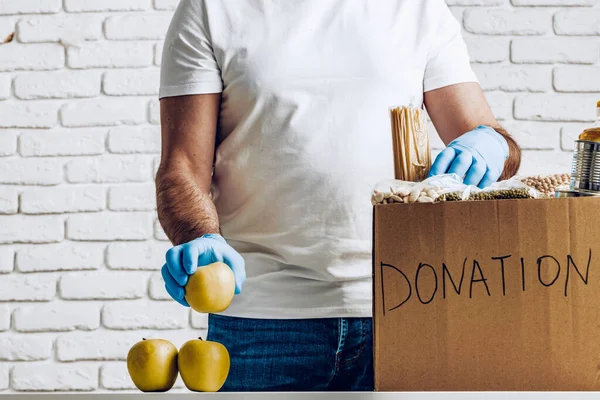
x: 183, y: 260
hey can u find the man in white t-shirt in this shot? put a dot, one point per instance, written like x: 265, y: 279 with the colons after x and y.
x: 275, y: 129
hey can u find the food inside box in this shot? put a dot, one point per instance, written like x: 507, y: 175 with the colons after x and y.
x: 412, y: 160
x: 470, y: 294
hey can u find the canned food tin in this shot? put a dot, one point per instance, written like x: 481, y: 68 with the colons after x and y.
x: 585, y: 174
x: 574, y: 193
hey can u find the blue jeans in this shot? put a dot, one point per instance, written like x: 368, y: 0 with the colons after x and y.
x: 296, y: 355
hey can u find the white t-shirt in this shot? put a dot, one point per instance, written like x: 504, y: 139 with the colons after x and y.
x: 304, y: 131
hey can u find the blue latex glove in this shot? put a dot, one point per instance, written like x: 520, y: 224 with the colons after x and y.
x: 477, y: 156
x: 183, y: 261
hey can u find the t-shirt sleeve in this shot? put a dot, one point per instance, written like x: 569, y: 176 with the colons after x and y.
x: 448, y: 61
x: 188, y: 63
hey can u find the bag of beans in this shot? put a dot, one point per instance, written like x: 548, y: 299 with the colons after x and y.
x: 549, y: 183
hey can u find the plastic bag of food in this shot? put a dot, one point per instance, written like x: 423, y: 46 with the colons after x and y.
x: 508, y: 189
x: 427, y: 191
x: 412, y: 155
x: 547, y: 184
x: 449, y: 187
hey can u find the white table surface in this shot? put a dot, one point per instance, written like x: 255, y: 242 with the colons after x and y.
x: 311, y: 396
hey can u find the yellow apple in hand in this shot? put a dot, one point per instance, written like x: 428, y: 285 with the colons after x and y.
x: 211, y: 288
x: 152, y: 365
x: 203, y: 365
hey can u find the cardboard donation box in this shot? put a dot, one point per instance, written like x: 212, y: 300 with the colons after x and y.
x: 487, y: 295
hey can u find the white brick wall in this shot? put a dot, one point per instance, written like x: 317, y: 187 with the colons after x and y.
x: 80, y: 246
x: 25, y: 348
x: 55, y: 28
x: 32, y: 57
x: 48, y: 377
x: 57, y: 85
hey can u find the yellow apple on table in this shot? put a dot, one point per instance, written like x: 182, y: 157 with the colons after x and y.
x: 211, y: 288
x: 203, y: 365
x: 152, y: 365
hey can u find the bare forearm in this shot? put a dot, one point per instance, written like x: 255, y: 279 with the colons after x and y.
x: 185, y: 211
x: 457, y: 109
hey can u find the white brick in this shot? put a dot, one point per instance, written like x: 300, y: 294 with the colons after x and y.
x: 35, y: 57
x: 154, y: 111
x: 73, y: 256
x: 484, y: 49
x: 4, y: 317
x: 109, y: 226
x: 25, y: 348
x: 506, y: 22
x: 157, y: 288
x: 577, y: 79
x: 20, y: 287
x: 147, y: 256
x: 57, y: 317
x: 555, y: 107
x: 501, y: 104
x: 557, y: 3
x: 134, y: 140
x: 8, y: 143
x: 577, y: 22
x: 111, y: 55
x: 458, y: 13
x: 534, y: 135
x: 30, y: 6
x: 103, y: 285
x: 56, y: 28
x: 159, y: 233
x: 158, y: 50
x: 104, y: 112
x: 165, y: 4
x: 31, y: 229
x: 106, y: 5
x: 5, y: 87
x: 109, y: 169
x: 9, y: 200
x: 57, y: 85
x: 512, y: 78
x: 474, y: 2
x: 144, y: 315
x: 4, y: 373
x: 569, y: 133
x: 73, y: 142
x: 7, y: 260
x: 132, y: 198
x: 132, y: 82
x: 135, y: 27
x: 33, y: 114
x: 62, y: 199
x: 7, y: 26
x: 114, y: 376
x: 54, y: 377
x: 31, y: 171
x: 199, y: 320
x: 551, y: 50
x: 545, y: 162
x: 95, y: 346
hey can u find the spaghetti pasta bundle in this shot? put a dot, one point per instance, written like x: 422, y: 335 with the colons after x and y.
x: 412, y: 156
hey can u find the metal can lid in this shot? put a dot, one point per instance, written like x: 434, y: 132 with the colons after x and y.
x: 559, y: 193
